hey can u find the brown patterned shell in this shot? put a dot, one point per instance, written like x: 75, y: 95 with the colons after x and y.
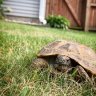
x: 85, y: 56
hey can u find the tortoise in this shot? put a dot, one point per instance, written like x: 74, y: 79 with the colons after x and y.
x: 65, y: 55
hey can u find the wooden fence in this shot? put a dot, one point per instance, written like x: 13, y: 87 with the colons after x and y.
x: 81, y: 13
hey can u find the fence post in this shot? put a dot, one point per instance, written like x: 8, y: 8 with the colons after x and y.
x: 87, y: 15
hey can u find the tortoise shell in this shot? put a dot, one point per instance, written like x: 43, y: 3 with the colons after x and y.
x: 83, y: 55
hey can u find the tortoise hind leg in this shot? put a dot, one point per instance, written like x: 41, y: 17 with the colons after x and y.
x: 39, y: 63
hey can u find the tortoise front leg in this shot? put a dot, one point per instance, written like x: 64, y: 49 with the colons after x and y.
x: 39, y: 63
x: 82, y: 73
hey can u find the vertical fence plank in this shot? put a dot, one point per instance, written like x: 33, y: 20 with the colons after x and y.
x: 87, y: 15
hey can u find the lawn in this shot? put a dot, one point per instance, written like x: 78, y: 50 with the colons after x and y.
x: 19, y: 45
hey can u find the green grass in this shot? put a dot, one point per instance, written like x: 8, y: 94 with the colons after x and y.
x: 19, y: 45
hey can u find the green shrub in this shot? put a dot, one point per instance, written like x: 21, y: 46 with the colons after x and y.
x: 58, y: 22
x: 1, y: 9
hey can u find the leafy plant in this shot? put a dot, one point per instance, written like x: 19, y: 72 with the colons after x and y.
x: 1, y: 1
x: 58, y: 22
x: 1, y: 9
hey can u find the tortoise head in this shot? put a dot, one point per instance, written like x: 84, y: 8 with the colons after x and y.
x: 62, y: 63
x: 63, y: 60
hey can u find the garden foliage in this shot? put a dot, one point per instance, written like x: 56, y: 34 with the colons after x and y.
x: 58, y: 22
x: 1, y: 9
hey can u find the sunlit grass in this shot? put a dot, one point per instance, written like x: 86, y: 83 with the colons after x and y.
x: 19, y: 45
